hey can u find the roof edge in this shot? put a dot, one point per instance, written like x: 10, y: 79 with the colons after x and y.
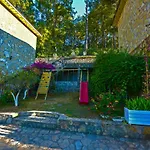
x: 19, y: 16
x: 119, y: 11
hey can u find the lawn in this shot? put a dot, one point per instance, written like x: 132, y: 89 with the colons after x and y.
x: 66, y: 103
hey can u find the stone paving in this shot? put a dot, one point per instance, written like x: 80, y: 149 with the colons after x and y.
x: 14, y: 137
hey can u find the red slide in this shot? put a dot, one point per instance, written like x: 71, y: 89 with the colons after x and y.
x: 84, y: 96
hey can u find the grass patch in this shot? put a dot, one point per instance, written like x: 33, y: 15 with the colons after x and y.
x: 66, y: 103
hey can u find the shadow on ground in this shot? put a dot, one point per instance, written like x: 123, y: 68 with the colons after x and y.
x: 35, y: 138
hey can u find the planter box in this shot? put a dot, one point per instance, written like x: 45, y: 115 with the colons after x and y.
x: 139, y: 117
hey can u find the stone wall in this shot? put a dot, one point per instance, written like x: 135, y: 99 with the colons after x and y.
x: 14, y: 53
x: 132, y: 28
x: 57, y: 121
x: 13, y: 26
x: 6, y: 118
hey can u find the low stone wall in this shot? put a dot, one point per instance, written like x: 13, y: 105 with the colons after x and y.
x: 7, y: 118
x: 89, y: 126
x: 55, y: 115
x: 104, y: 127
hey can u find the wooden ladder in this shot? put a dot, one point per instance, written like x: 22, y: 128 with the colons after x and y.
x: 44, y: 84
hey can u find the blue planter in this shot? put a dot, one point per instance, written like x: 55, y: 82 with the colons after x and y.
x: 139, y: 117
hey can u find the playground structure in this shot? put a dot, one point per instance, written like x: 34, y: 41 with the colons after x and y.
x: 67, y: 78
x: 84, y: 96
x: 44, y: 84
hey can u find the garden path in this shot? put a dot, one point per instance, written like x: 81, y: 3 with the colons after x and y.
x: 14, y: 137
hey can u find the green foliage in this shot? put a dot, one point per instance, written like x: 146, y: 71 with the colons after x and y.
x: 108, y: 103
x: 6, y: 97
x: 117, y: 71
x: 62, y: 31
x: 101, y: 31
x: 138, y: 103
x: 20, y: 80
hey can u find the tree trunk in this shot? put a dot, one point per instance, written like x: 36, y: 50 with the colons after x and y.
x: 16, y: 98
x: 25, y: 94
x: 103, y: 32
x: 86, y: 35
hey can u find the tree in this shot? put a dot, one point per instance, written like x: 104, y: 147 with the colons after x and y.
x: 57, y: 24
x: 86, y: 31
x: 101, y: 31
x: 62, y: 32
x: 15, y: 83
x: 26, y: 7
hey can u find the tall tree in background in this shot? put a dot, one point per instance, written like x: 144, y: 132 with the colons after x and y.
x: 86, y: 31
x: 101, y: 31
x: 26, y: 7
x: 79, y: 34
x: 62, y: 32
x: 57, y: 23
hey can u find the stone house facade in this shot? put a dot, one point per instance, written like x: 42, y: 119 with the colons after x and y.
x: 17, y: 39
x: 132, y: 19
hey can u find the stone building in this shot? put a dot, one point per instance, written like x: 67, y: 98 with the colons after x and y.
x: 132, y: 19
x: 17, y: 39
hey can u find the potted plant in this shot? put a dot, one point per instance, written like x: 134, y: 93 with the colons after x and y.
x: 137, y: 111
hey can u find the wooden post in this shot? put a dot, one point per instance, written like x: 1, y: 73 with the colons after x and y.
x: 87, y: 75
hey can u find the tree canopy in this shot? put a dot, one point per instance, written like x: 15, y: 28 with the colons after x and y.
x: 63, y: 32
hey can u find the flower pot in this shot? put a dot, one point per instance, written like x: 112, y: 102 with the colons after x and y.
x: 139, y: 117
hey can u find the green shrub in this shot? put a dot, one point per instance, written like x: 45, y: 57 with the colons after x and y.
x: 6, y: 97
x: 138, y: 104
x: 108, y: 104
x: 20, y: 80
x: 117, y: 71
x: 15, y: 83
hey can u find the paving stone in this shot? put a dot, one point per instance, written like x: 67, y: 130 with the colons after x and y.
x: 54, y: 145
x: 44, y: 131
x: 90, y: 147
x: 78, y: 145
x: 63, y: 143
x: 92, y: 137
x: 102, y: 147
x: 47, y: 137
x: 66, y: 136
x: 50, y: 144
x: 72, y: 147
x: 67, y: 148
x: 76, y: 137
x: 86, y: 141
x: 55, y: 138
x: 58, y: 140
x: 84, y: 148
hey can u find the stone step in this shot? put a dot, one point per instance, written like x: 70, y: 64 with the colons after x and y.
x: 36, y: 122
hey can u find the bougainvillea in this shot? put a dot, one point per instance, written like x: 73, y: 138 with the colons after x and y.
x: 40, y: 65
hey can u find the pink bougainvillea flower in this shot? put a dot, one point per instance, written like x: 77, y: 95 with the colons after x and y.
x: 40, y: 65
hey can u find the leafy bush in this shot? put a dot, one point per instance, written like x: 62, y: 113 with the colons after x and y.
x: 20, y: 80
x: 108, y: 103
x: 117, y: 71
x: 15, y: 83
x: 6, y: 97
x: 138, y: 104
